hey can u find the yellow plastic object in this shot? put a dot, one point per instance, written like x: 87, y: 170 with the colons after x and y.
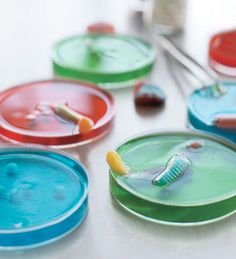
x: 115, y: 163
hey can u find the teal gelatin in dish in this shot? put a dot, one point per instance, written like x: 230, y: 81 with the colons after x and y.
x: 206, y: 191
x: 204, y: 108
x: 43, y: 196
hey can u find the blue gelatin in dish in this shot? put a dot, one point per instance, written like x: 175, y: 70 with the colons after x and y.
x: 43, y: 196
x: 215, y: 114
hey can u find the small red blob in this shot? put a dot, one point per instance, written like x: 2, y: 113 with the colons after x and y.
x: 195, y: 144
x: 101, y: 28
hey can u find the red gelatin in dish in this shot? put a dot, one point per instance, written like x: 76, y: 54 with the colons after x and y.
x: 222, y: 52
x: 101, y: 28
x: 26, y: 114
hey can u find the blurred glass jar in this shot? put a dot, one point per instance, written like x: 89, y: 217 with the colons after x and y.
x: 166, y: 16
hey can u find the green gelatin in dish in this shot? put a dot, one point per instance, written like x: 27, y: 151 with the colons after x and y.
x: 108, y: 60
x: 204, y: 192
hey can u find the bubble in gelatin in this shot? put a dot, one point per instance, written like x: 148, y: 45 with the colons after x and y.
x: 20, y: 222
x: 36, y: 113
x: 26, y: 186
x: 11, y: 169
x: 43, y: 105
x: 47, y: 112
x: 59, y: 192
x: 31, y: 117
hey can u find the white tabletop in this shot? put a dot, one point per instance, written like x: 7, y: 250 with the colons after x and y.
x: 28, y: 29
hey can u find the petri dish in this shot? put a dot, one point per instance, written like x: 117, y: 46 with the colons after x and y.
x: 204, y: 193
x: 222, y: 53
x: 108, y: 60
x: 43, y: 196
x: 215, y: 114
x: 26, y: 115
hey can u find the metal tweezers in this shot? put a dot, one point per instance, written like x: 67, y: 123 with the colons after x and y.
x: 190, y: 64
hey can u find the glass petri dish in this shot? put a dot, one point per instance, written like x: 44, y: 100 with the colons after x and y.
x: 215, y: 114
x: 108, y: 60
x: 43, y: 196
x: 222, y: 53
x: 19, y: 104
x: 204, y: 193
